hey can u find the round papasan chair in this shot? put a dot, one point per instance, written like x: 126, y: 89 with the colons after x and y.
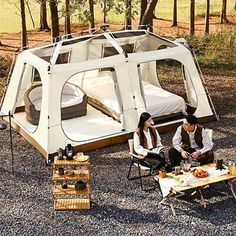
x: 73, y: 102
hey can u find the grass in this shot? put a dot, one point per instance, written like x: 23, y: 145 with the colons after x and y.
x: 11, y: 21
x: 215, y: 50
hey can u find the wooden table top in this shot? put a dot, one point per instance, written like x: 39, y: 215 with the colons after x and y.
x: 188, y: 181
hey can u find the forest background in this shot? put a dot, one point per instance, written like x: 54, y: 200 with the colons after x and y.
x: 208, y: 25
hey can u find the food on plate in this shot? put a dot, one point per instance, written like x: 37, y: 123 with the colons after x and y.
x: 200, y: 173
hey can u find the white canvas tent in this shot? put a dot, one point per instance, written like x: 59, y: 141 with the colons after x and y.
x: 116, y: 71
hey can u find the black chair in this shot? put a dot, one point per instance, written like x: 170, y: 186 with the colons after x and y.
x: 140, y: 164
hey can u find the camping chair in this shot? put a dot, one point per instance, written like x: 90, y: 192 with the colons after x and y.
x: 140, y: 164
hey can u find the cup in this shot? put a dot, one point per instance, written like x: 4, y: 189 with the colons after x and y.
x: 177, y: 170
x: 61, y: 171
x: 219, y: 163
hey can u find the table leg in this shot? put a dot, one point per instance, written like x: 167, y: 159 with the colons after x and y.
x: 202, y: 201
x: 169, y: 199
x: 229, y: 183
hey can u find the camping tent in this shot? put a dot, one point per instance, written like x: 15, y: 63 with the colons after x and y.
x: 91, y: 90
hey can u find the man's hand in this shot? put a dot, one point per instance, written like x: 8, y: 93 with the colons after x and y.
x: 195, y: 155
x: 141, y: 156
x: 185, y: 154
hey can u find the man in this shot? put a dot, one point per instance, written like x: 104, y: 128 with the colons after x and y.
x: 191, y: 142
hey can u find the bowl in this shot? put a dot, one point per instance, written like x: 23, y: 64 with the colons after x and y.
x: 80, y: 185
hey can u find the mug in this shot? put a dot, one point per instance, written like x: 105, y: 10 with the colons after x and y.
x: 61, y: 171
x: 219, y: 163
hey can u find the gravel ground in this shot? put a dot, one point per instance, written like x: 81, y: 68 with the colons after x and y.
x: 119, y: 206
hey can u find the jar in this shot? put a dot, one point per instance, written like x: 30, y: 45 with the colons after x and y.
x: 69, y: 152
x: 162, y: 173
x: 232, y: 168
x: 60, y: 154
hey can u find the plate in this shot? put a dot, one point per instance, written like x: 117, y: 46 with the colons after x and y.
x: 81, y: 158
x: 199, y: 173
x: 69, y: 172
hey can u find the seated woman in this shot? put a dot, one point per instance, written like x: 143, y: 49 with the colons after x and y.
x: 147, y: 143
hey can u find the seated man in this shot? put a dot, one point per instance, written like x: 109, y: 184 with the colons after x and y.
x: 191, y: 142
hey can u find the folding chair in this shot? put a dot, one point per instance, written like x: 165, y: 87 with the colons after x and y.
x: 140, y: 164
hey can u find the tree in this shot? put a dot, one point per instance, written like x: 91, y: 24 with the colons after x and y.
x: 143, y: 8
x: 174, y: 21
x: 43, y: 16
x: 235, y: 5
x: 23, y: 25
x: 207, y: 16
x: 91, y: 19
x: 192, y: 15
x: 54, y: 20
x: 67, y: 18
x: 223, y: 18
x: 128, y: 20
x: 148, y: 14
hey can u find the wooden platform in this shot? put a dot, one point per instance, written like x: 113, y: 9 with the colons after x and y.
x: 71, y: 204
x: 70, y: 190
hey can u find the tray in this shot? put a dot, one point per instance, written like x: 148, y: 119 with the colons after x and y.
x: 81, y: 158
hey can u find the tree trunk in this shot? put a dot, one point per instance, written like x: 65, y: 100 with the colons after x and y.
x: 174, y: 23
x: 148, y: 15
x: 23, y: 25
x: 192, y: 15
x: 91, y: 9
x: 223, y: 18
x: 104, y: 11
x: 207, y: 16
x: 143, y: 8
x: 67, y: 19
x: 43, y: 16
x: 128, y: 20
x: 30, y: 13
x: 235, y: 5
x: 55, y: 21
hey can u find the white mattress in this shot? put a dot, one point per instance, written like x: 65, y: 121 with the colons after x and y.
x: 94, y: 125
x: 159, y: 101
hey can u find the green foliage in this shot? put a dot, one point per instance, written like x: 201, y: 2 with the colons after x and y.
x: 5, y: 63
x: 216, y: 49
x: 120, y: 8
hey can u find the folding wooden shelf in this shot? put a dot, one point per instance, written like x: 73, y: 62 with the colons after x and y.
x: 70, y: 198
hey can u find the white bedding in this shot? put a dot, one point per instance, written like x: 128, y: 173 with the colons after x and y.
x: 159, y: 101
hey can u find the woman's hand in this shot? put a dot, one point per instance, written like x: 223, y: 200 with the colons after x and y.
x: 141, y: 156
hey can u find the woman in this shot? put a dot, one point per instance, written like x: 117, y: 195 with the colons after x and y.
x: 147, y: 142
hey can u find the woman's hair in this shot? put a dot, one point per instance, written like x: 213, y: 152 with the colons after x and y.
x: 143, y: 118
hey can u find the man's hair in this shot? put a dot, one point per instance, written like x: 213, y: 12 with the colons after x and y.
x: 191, y: 119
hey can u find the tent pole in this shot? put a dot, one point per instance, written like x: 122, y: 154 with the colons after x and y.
x: 205, y: 87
